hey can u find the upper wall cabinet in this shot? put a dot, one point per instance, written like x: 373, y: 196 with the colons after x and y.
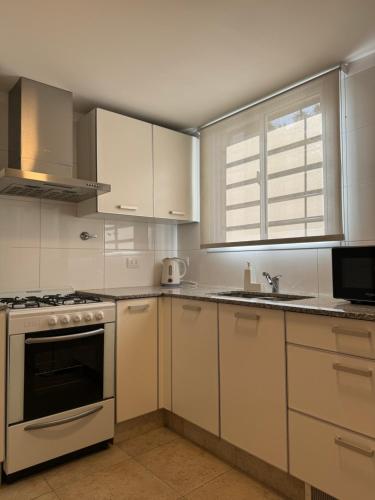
x: 174, y: 155
x: 117, y: 150
x: 151, y: 169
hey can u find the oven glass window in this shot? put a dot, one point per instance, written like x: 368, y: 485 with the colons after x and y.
x: 63, y: 375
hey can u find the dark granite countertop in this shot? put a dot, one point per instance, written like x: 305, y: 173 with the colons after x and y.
x: 326, y: 306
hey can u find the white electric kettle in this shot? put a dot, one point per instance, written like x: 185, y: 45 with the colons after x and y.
x: 174, y: 269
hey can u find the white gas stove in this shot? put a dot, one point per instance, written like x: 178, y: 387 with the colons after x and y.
x: 60, y: 395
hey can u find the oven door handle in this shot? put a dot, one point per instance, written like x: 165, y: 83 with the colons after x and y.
x: 61, y: 338
x: 61, y: 421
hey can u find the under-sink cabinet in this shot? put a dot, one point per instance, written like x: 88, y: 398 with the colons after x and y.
x: 252, y: 381
x: 195, y: 371
x: 136, y: 358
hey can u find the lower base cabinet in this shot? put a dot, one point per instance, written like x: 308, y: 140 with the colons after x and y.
x: 136, y: 358
x: 195, y: 378
x: 252, y: 381
x: 335, y: 460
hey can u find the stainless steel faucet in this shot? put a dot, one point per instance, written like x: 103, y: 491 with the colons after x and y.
x: 274, y: 281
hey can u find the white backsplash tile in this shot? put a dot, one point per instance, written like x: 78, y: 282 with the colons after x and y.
x: 325, y: 271
x: 19, y: 222
x: 128, y: 235
x: 61, y: 228
x: 71, y: 267
x: 118, y: 273
x: 19, y: 268
x: 189, y: 237
x: 165, y: 237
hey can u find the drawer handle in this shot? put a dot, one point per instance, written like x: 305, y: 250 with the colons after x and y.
x: 140, y: 307
x: 353, y: 333
x: 127, y: 207
x: 350, y: 369
x: 192, y: 308
x: 176, y: 212
x: 253, y: 317
x: 368, y: 452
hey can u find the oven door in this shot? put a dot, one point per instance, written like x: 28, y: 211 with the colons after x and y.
x: 62, y: 370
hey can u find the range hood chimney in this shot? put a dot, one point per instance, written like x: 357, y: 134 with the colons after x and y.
x: 41, y: 146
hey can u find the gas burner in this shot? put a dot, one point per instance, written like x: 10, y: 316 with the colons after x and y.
x: 67, y: 299
x: 21, y: 302
x: 58, y: 299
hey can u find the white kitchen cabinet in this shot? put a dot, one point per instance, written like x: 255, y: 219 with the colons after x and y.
x: 252, y: 381
x: 2, y: 384
x: 333, y: 459
x: 333, y: 387
x: 153, y: 171
x: 175, y: 174
x: 195, y: 384
x: 136, y: 358
x: 117, y: 150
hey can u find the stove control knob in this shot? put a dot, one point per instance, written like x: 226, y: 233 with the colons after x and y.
x: 52, y: 320
x: 77, y: 318
x: 88, y: 316
x: 99, y: 315
x: 65, y: 319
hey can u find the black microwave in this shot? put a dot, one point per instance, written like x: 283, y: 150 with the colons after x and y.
x: 353, y: 274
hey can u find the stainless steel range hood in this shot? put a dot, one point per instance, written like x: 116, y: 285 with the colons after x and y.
x: 41, y: 146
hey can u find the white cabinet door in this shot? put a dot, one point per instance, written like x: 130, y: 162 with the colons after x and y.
x: 2, y: 384
x: 124, y: 160
x: 252, y: 381
x: 137, y: 358
x: 173, y: 173
x: 195, y: 384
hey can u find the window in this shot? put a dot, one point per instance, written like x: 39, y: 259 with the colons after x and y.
x: 272, y: 173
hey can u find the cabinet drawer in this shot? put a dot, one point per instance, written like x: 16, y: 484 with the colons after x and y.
x: 334, y: 460
x: 349, y: 336
x: 334, y: 387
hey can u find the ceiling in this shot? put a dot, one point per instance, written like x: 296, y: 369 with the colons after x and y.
x: 178, y: 62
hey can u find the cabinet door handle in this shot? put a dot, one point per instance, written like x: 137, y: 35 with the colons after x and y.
x: 140, y: 307
x: 191, y: 308
x: 367, y: 452
x: 350, y: 369
x: 127, y: 207
x: 354, y: 333
x: 253, y: 317
x: 176, y: 212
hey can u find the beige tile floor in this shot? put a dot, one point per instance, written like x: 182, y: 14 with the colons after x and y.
x: 157, y: 465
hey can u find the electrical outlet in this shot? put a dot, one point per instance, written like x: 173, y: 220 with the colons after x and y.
x: 132, y: 263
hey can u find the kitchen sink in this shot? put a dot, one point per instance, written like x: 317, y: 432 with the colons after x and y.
x: 275, y: 297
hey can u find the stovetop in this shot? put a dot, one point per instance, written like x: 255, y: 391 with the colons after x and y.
x: 47, y: 300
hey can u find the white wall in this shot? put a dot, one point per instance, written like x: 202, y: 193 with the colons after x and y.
x: 40, y: 245
x: 309, y: 269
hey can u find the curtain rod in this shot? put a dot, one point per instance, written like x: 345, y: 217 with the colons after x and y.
x: 270, y: 96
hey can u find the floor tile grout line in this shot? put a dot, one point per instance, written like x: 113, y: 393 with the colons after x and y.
x: 173, y: 488
x: 207, y: 482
